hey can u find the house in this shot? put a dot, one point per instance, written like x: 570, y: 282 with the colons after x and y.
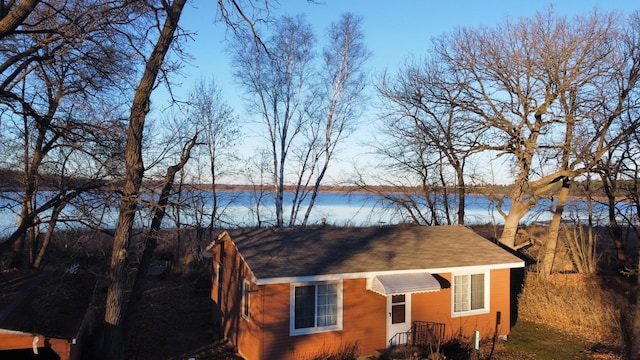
x: 289, y: 293
x: 48, y: 314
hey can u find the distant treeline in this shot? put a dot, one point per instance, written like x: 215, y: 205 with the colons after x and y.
x: 12, y: 180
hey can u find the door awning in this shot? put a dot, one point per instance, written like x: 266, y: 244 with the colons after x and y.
x: 404, y: 283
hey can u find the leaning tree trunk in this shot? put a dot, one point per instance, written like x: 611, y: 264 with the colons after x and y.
x: 134, y: 171
x: 550, y: 246
x: 151, y: 239
x: 55, y: 214
x: 511, y: 221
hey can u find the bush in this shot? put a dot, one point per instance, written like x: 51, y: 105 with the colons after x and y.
x: 348, y: 351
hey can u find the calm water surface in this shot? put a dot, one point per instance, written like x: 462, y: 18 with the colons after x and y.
x: 238, y: 209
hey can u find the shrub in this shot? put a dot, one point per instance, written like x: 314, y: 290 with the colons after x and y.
x: 348, y: 351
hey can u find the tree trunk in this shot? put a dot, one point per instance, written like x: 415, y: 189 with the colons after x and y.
x: 635, y: 331
x: 280, y: 193
x: 461, y: 196
x: 47, y: 237
x: 550, y: 246
x: 316, y: 189
x: 151, y: 241
x: 517, y: 210
x: 134, y: 171
x: 16, y: 17
x: 609, y: 187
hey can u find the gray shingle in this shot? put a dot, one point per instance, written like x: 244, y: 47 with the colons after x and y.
x: 295, y: 252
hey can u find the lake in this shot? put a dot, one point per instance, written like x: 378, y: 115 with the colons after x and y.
x: 237, y: 209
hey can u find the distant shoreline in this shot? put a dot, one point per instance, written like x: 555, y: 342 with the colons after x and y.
x: 337, y: 189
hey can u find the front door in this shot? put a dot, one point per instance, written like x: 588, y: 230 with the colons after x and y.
x: 398, y: 318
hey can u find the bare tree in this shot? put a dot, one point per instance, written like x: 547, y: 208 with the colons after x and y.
x: 152, y: 234
x: 220, y: 131
x: 592, y: 106
x: 134, y: 171
x: 431, y: 137
x: 54, y: 73
x: 344, y: 80
x: 536, y: 85
x: 610, y: 170
x: 308, y: 110
x: 257, y: 174
x: 633, y: 169
x: 278, y: 88
x: 165, y: 28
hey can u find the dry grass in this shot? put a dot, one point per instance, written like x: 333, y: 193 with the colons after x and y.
x: 590, y: 306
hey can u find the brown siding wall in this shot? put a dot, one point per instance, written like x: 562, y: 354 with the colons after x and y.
x: 436, y: 307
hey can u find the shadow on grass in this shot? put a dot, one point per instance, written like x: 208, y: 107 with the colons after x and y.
x: 529, y: 340
x: 532, y: 341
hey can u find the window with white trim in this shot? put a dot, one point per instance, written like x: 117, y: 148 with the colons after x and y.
x: 470, y: 293
x: 316, y: 307
x: 246, y: 300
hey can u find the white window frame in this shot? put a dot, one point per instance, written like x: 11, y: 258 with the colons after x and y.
x: 246, y: 299
x: 487, y: 293
x: 316, y: 329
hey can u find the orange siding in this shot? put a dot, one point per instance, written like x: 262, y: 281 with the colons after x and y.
x: 363, y: 322
x: 436, y: 307
x: 16, y: 341
x: 275, y: 338
x: 265, y: 335
x: 243, y: 333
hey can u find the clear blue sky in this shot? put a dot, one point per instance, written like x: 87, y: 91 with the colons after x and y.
x: 394, y: 30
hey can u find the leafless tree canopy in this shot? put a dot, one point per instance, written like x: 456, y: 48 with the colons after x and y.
x: 306, y: 107
x: 547, y: 96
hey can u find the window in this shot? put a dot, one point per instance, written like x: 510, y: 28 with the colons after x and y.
x: 316, y: 307
x: 398, y: 309
x: 469, y: 295
x: 246, y: 301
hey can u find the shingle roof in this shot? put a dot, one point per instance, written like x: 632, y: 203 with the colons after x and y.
x: 296, y: 252
x: 45, y: 303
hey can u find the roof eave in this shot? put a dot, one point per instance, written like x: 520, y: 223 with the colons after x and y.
x: 368, y: 274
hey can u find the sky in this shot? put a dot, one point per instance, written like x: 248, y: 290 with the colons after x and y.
x: 393, y: 30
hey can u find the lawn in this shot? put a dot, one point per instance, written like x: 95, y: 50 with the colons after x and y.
x: 529, y: 340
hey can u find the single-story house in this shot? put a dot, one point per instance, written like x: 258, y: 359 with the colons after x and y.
x: 48, y: 314
x: 289, y: 293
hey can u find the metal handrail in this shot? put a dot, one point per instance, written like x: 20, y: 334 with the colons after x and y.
x: 422, y: 333
x: 398, y: 338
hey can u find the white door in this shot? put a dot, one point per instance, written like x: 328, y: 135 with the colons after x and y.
x: 398, y: 318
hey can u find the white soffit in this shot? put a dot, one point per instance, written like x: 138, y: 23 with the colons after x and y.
x: 404, y: 283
